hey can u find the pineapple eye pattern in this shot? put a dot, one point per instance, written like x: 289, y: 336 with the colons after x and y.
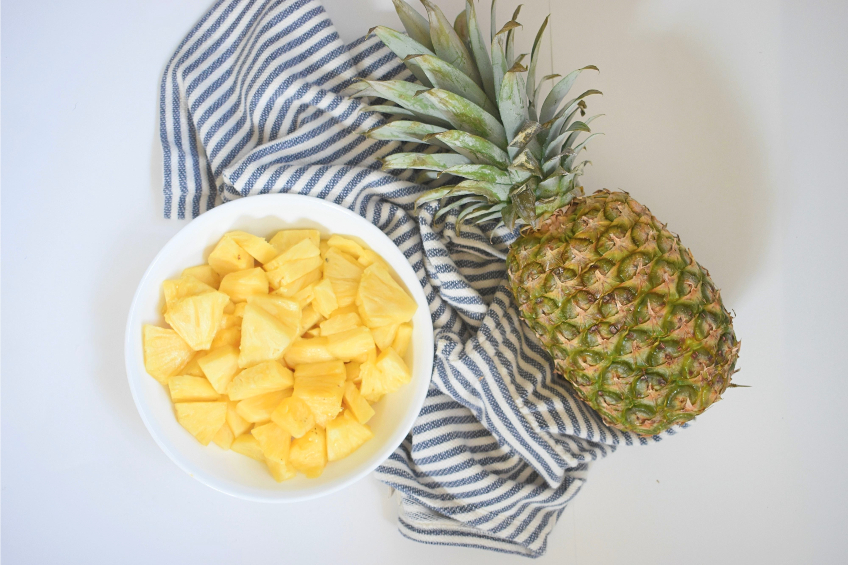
x: 644, y: 335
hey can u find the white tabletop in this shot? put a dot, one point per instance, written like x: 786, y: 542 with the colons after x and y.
x: 728, y: 118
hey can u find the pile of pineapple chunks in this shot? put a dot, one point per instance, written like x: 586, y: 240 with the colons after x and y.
x: 277, y: 349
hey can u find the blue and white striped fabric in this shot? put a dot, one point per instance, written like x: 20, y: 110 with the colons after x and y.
x: 251, y: 103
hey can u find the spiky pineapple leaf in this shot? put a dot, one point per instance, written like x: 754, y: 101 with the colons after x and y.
x: 448, y: 45
x: 531, y: 73
x: 526, y: 134
x: 494, y: 215
x: 526, y: 161
x: 499, y: 66
x: 558, y: 93
x: 458, y: 204
x: 510, y: 38
x: 474, y: 147
x: 509, y: 216
x: 447, y: 77
x: 556, y: 144
x: 493, y: 21
x: 433, y: 195
x: 460, y: 26
x: 564, y: 116
x: 569, y: 161
x: 465, y: 115
x: 467, y: 212
x: 383, y: 109
x: 487, y: 173
x: 403, y: 130
x: 494, y: 192
x: 524, y: 200
x: 359, y: 89
x: 429, y: 161
x: 478, y: 50
x: 414, y: 23
x: 513, y: 105
x: 403, y: 46
x: 573, y: 137
x: 403, y: 93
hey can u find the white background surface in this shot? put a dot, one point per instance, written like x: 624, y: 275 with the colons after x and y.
x: 728, y: 118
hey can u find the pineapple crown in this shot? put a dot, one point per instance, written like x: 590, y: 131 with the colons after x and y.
x: 513, y: 156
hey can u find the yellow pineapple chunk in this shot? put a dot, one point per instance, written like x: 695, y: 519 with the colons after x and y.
x: 293, y: 270
x: 224, y: 438
x: 345, y: 435
x: 302, y: 250
x: 228, y: 256
x: 192, y: 368
x: 273, y: 440
x: 350, y: 344
x: 308, y: 454
x: 384, y: 336
x: 263, y: 336
x: 321, y: 387
x: 239, y: 309
x: 281, y: 471
x: 368, y: 258
x: 182, y: 287
x: 258, y: 248
x: 402, y: 339
x: 258, y: 409
x: 197, y: 318
x: 291, y: 289
x: 238, y: 424
x: 229, y: 321
x: 286, y: 239
x: 346, y: 245
x: 309, y: 317
x: 202, y: 419
x: 381, y: 300
x: 393, y: 368
x: 247, y: 445
x: 312, y: 350
x: 239, y: 285
x: 304, y: 296
x: 165, y: 352
x: 344, y: 273
x: 294, y: 416
x: 340, y: 323
x: 220, y: 365
x: 352, y: 371
x: 349, y: 309
x: 371, y: 380
x: 389, y: 373
x: 358, y: 406
x: 268, y: 376
x: 203, y: 273
x: 285, y: 310
x: 184, y: 388
x: 324, y: 299
x: 227, y: 336
x: 229, y: 308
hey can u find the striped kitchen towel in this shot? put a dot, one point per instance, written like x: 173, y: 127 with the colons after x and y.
x: 252, y: 102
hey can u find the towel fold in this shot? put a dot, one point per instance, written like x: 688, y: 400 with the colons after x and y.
x: 252, y: 102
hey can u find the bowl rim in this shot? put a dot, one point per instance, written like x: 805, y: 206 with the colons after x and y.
x: 398, y: 263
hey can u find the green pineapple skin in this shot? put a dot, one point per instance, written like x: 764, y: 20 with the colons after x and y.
x: 631, y: 320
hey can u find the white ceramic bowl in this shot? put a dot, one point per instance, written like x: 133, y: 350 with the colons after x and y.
x: 230, y: 472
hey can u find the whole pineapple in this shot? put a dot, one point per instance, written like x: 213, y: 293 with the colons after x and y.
x: 630, y: 319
